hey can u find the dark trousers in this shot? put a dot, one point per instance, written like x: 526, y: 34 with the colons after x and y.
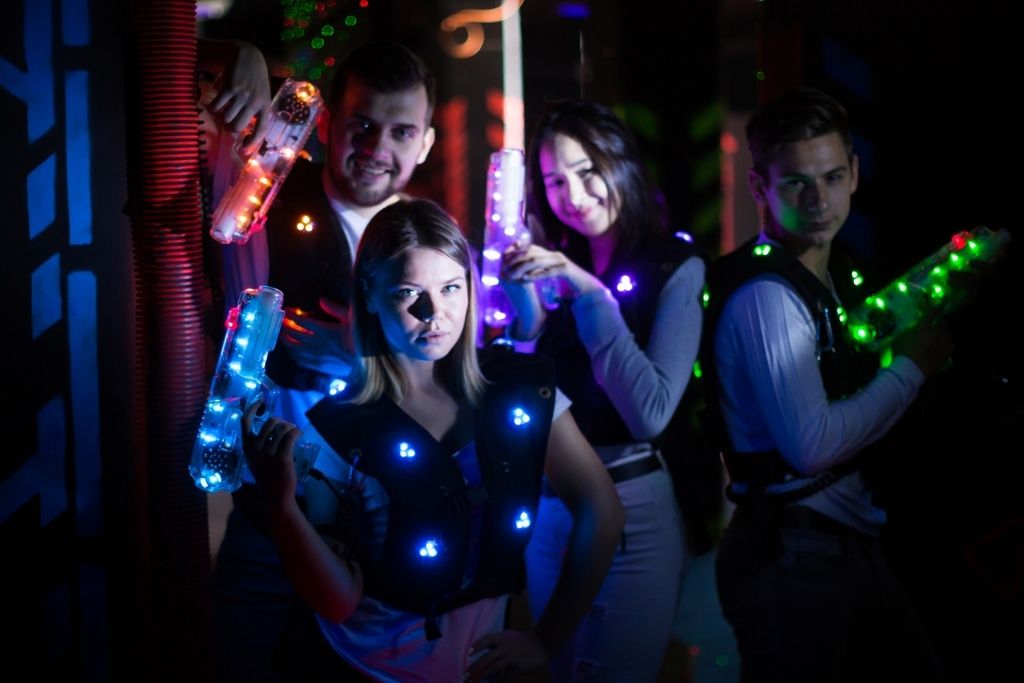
x: 810, y: 600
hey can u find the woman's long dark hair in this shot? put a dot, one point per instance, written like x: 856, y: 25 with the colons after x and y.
x: 616, y: 158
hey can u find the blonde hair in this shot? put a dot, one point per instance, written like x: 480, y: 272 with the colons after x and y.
x: 392, y: 232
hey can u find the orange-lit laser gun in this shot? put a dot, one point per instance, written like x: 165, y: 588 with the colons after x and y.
x: 924, y: 288
x: 243, y: 210
x: 218, y: 463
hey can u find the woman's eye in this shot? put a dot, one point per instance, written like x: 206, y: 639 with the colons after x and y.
x: 448, y: 289
x: 405, y: 293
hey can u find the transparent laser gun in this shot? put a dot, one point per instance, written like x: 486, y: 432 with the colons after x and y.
x: 243, y: 210
x: 924, y: 288
x: 252, y: 326
x: 504, y: 226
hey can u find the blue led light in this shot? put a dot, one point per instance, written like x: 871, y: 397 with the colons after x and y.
x: 625, y: 284
x: 684, y: 236
x: 431, y: 548
x: 520, y: 417
x: 523, y: 520
x: 336, y: 386
x: 406, y: 451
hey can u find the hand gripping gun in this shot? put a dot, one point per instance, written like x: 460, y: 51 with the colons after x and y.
x: 240, y: 378
x: 925, y: 287
x: 243, y: 210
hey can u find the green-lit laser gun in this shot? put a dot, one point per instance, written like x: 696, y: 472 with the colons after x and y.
x: 924, y: 288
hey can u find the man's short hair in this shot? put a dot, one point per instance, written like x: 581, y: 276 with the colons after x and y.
x: 385, y: 66
x: 798, y: 114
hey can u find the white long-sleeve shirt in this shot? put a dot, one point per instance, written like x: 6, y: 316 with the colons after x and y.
x: 772, y: 397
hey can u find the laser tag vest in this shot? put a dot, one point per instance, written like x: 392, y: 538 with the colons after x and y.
x: 636, y: 282
x: 305, y: 264
x: 844, y: 369
x: 448, y: 544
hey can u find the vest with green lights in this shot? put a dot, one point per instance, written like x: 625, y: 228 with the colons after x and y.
x: 448, y: 544
x: 844, y: 368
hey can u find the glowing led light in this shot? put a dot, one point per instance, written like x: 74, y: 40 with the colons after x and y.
x: 489, y: 280
x: 235, y: 366
x: 520, y: 417
x: 697, y: 372
x: 885, y: 360
x: 762, y: 249
x: 405, y: 451
x: 431, y: 548
x: 959, y: 241
x: 523, y: 520
x: 857, y: 279
x: 705, y: 297
x: 510, y: 231
x: 500, y: 315
x: 684, y: 236
x: 336, y: 386
x: 492, y: 254
x: 902, y: 286
x: 242, y: 342
x: 253, y: 199
x: 305, y: 224
x: 625, y: 284
x: 249, y: 317
x: 287, y: 152
x: 841, y: 312
x: 880, y: 304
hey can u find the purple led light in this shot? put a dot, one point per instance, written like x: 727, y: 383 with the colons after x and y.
x: 625, y: 284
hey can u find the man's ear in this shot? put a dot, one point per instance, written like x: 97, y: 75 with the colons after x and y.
x: 757, y: 187
x: 323, y: 126
x: 428, y: 142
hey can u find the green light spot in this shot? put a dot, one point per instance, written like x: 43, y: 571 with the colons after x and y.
x: 705, y: 297
x: 762, y: 250
x: 315, y: 73
x: 697, y: 372
x: 885, y: 360
x: 327, y: 30
x: 350, y: 20
x: 973, y: 245
x: 841, y: 312
x: 880, y: 304
x: 938, y: 271
x: 902, y: 286
x: 759, y: 75
x: 862, y: 333
x: 317, y: 43
x: 938, y: 292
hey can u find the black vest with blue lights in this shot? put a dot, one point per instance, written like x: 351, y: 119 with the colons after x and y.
x: 448, y: 544
x: 636, y: 280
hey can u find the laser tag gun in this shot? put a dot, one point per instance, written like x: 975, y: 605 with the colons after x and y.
x: 240, y: 378
x: 505, y: 226
x: 924, y: 288
x: 243, y: 210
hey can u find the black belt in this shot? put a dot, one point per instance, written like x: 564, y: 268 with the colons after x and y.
x: 621, y: 473
x: 635, y: 468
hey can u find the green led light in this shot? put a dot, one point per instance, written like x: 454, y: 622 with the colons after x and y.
x: 705, y: 297
x: 973, y: 245
x: 938, y: 292
x: 697, y: 372
x: 327, y: 30
x: 841, y: 312
x: 880, y: 304
x: 350, y: 20
x: 902, y: 286
x: 317, y: 43
x: 862, y: 333
x: 885, y: 360
x: 857, y: 279
x: 762, y: 250
x: 315, y: 73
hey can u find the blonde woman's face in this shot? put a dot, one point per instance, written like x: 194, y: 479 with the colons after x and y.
x: 421, y: 299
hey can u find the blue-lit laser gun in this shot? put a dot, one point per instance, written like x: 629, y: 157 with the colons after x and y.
x: 218, y: 463
x: 924, y: 288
